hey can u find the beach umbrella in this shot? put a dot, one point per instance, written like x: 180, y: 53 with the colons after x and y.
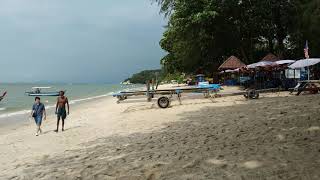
x: 261, y: 64
x: 280, y: 62
x: 304, y: 63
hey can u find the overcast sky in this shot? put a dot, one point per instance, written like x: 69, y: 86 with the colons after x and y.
x: 98, y: 41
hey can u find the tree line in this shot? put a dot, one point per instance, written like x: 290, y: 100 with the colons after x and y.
x: 144, y: 76
x: 201, y: 34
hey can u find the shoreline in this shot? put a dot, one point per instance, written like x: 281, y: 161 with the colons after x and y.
x: 50, y: 106
x: 18, y: 103
x: 23, y: 119
x: 15, y: 119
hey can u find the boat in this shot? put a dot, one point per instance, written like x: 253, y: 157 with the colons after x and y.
x: 3, y: 95
x: 37, y: 91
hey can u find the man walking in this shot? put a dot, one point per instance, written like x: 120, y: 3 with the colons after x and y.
x: 38, y: 112
x: 61, y: 112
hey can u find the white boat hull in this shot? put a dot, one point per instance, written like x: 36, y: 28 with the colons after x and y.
x: 43, y: 94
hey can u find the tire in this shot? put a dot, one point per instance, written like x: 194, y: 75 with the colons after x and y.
x: 253, y: 94
x: 163, y: 102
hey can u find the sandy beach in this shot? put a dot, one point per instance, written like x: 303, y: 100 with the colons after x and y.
x: 275, y: 137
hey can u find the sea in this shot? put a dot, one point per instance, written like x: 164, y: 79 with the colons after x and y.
x: 16, y: 105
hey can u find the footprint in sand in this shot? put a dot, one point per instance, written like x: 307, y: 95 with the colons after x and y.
x: 252, y: 164
x: 314, y: 128
x: 217, y: 162
x: 280, y: 137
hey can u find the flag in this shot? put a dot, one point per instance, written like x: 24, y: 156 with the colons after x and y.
x: 306, y: 51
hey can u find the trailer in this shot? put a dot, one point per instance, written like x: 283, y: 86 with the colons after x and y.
x: 166, y: 95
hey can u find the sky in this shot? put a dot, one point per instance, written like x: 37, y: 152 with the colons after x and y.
x: 78, y: 41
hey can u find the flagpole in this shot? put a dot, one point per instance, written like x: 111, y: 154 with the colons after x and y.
x: 306, y: 54
x: 308, y: 73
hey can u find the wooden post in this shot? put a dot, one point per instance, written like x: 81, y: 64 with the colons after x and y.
x: 157, y: 80
x: 153, y: 84
x: 148, y: 91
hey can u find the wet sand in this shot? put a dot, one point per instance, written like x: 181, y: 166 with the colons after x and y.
x: 275, y: 137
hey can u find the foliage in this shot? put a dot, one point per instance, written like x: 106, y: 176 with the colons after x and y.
x: 144, y: 76
x: 175, y: 76
x: 203, y: 33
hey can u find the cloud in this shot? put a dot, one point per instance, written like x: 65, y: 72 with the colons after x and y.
x: 78, y: 40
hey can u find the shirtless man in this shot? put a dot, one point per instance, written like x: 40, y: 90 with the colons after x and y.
x: 61, y: 112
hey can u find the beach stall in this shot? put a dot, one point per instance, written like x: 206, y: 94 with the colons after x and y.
x: 230, y: 70
x: 312, y: 83
x: 270, y: 72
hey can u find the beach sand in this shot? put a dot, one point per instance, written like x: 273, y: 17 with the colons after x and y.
x: 275, y: 137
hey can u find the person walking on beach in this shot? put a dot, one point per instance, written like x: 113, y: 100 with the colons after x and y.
x: 61, y: 112
x: 38, y: 112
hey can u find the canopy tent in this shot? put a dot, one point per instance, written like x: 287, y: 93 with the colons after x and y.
x: 269, y: 63
x: 270, y: 57
x: 232, y: 63
x: 260, y: 64
x: 281, y: 62
x: 304, y: 63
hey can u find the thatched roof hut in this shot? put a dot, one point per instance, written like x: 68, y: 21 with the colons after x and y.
x: 270, y: 57
x: 232, y: 63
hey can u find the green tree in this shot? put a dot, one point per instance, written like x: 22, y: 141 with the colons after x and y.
x: 203, y: 33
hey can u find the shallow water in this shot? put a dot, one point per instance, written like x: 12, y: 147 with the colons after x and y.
x: 16, y: 103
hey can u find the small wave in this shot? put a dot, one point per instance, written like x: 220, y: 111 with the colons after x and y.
x: 14, y: 113
x: 90, y: 98
x: 27, y: 111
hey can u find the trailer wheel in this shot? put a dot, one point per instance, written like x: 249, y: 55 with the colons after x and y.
x: 163, y: 102
x: 252, y: 94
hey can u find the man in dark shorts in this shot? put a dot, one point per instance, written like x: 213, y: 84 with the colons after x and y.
x: 38, y: 112
x: 61, y: 112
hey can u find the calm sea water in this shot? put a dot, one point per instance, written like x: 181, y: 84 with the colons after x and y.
x: 16, y: 102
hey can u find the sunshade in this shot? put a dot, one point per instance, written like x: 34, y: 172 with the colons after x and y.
x: 304, y: 63
x: 230, y: 70
x: 285, y: 62
x: 260, y: 64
